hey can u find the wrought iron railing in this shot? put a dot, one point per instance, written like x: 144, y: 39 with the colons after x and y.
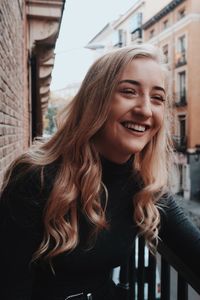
x: 180, y: 98
x: 180, y: 59
x: 139, y: 280
x: 180, y: 143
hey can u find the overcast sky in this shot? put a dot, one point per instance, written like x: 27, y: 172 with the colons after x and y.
x: 82, y: 20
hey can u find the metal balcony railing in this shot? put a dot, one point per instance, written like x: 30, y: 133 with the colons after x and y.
x: 180, y: 59
x: 136, y: 34
x: 180, y: 98
x: 142, y: 278
x: 180, y: 143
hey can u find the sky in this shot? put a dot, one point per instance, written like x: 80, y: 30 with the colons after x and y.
x: 82, y: 20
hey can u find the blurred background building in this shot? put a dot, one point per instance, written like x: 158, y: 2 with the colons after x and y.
x: 174, y: 26
x: 29, y: 30
x: 57, y: 100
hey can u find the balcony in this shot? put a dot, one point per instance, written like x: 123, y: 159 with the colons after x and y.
x: 180, y: 143
x: 180, y: 98
x: 119, y: 38
x: 180, y: 59
x: 138, y: 281
x: 136, y: 35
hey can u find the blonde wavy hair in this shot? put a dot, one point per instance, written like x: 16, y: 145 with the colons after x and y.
x: 78, y: 179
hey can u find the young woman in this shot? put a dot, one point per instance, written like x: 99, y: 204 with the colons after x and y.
x: 72, y: 207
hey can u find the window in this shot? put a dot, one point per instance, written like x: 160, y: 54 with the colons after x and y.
x: 180, y: 139
x: 124, y: 38
x: 119, y: 38
x: 182, y: 44
x: 182, y: 128
x: 181, y: 51
x: 182, y: 86
x: 180, y: 95
x: 135, y: 22
x: 152, y: 33
x: 165, y: 24
x: 181, y: 13
x: 166, y: 54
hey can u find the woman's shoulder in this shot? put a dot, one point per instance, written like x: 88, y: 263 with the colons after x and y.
x: 27, y: 190
x: 30, y: 177
x: 167, y: 201
x: 170, y: 211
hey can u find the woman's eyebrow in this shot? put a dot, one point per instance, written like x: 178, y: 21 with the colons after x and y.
x: 159, y: 88
x: 135, y: 82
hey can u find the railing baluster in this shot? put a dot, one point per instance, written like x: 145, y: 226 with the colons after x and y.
x: 132, y: 276
x: 123, y: 276
x: 141, y: 269
x: 182, y: 288
x: 123, y: 284
x: 165, y: 280
x: 151, y: 277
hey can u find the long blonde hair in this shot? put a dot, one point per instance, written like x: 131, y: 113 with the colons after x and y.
x: 78, y: 178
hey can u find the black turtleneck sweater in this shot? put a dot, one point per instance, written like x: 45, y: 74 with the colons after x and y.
x: 85, y: 268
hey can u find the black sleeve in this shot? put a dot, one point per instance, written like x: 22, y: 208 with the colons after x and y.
x: 179, y: 234
x: 21, y: 231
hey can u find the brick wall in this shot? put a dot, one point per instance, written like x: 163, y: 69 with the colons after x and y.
x: 13, y: 85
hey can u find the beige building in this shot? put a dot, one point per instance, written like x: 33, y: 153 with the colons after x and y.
x: 174, y: 26
x: 29, y: 30
x: 120, y: 32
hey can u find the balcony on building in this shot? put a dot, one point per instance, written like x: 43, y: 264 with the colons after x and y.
x: 180, y: 143
x: 136, y: 36
x: 136, y: 28
x: 180, y: 98
x: 180, y: 59
x: 119, y: 38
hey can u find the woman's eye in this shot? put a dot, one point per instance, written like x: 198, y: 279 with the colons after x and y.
x: 128, y: 91
x: 158, y: 97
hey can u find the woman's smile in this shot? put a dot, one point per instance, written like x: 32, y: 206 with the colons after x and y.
x: 135, y: 127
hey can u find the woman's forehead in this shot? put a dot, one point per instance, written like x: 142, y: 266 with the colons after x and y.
x: 143, y: 71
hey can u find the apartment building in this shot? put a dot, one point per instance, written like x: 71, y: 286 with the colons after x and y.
x: 120, y: 32
x: 174, y: 26
x: 175, y: 29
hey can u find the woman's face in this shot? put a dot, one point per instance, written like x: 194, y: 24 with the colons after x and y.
x: 137, y: 111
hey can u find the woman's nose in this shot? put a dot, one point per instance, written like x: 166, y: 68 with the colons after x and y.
x: 143, y: 106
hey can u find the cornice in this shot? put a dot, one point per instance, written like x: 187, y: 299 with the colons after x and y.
x: 175, y: 27
x: 163, y: 12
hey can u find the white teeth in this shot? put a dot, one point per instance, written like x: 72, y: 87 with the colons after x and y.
x: 132, y: 126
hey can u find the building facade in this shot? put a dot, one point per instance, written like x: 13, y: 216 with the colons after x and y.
x: 174, y: 26
x: 29, y: 30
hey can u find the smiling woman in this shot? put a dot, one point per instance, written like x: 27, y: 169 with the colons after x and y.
x: 73, y: 206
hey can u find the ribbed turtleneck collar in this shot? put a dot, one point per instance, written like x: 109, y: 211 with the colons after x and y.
x: 111, y: 168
